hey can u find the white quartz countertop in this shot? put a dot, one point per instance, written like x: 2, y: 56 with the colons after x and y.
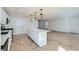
x: 39, y: 30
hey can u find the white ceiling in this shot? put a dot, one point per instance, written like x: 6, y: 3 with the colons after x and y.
x: 47, y: 11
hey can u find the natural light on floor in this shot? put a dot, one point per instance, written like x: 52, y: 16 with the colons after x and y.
x: 61, y: 49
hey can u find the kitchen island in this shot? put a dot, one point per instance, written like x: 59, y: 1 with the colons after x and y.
x: 39, y: 36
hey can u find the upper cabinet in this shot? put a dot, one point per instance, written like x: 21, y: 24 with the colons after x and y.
x: 0, y: 15
x: 4, y: 17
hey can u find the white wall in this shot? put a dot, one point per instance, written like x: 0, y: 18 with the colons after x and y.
x: 64, y: 25
x: 74, y: 25
x: 68, y: 21
x: 61, y: 25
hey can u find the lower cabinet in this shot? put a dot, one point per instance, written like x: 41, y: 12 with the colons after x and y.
x: 6, y: 41
x: 39, y: 37
x: 10, y: 39
x: 9, y: 43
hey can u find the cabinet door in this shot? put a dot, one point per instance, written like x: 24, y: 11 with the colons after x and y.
x: 36, y: 36
x: 9, y: 43
x: 0, y: 37
x: 0, y: 15
x: 10, y: 39
x: 18, y: 26
x: 3, y: 16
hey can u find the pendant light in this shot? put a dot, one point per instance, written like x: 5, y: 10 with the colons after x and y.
x: 41, y: 14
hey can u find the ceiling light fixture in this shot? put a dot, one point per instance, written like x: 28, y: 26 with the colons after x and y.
x: 41, y: 14
x: 35, y: 15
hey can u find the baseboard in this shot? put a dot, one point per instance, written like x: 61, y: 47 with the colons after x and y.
x: 59, y: 31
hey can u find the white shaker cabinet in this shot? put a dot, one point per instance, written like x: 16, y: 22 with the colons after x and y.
x: 10, y: 39
x: 5, y: 37
x: 3, y: 16
x: 0, y: 15
x: 38, y: 36
x: 0, y: 38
